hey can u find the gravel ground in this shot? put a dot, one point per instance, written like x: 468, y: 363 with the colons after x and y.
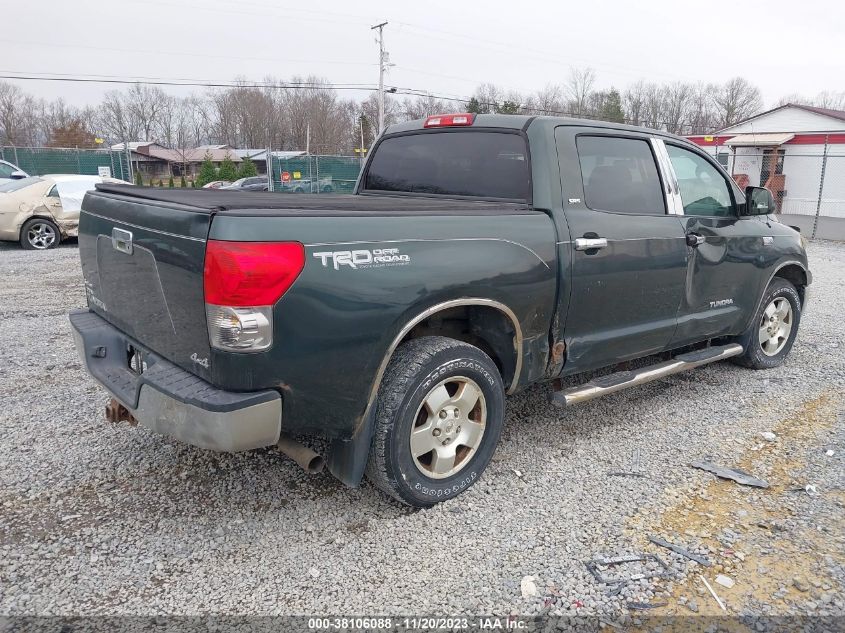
x: 110, y: 519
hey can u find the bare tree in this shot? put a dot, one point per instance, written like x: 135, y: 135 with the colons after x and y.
x: 548, y: 101
x: 19, y: 117
x: 578, y: 90
x: 421, y: 107
x: 676, y: 101
x: 369, y: 110
x: 114, y: 120
x: 653, y: 106
x: 701, y: 117
x: 634, y: 102
x: 144, y: 105
x: 830, y: 100
x: 735, y: 100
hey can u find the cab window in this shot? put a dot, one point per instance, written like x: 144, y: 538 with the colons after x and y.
x: 476, y: 163
x: 620, y: 175
x: 704, y: 190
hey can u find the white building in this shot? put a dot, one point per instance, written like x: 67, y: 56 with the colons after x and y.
x: 785, y: 150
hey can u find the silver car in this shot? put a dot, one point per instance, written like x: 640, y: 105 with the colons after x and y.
x: 8, y: 172
x: 41, y: 211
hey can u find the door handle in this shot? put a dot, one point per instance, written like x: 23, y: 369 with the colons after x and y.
x: 694, y: 239
x: 590, y: 243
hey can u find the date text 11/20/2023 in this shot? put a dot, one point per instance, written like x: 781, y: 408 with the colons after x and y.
x: 480, y: 623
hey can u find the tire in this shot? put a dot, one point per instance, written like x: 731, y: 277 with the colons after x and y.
x: 420, y: 376
x: 769, y: 339
x: 39, y: 234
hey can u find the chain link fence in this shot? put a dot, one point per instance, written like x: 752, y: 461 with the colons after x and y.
x: 300, y: 174
x: 40, y: 161
x: 808, y: 182
x: 315, y: 174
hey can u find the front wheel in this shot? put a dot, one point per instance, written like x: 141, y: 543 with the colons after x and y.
x: 772, y: 332
x: 439, y: 415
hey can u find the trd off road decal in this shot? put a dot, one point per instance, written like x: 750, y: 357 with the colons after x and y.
x: 362, y: 258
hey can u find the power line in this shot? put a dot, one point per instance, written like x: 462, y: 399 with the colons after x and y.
x: 148, y: 51
x: 154, y: 81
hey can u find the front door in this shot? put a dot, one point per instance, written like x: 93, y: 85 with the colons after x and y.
x: 722, y: 278
x: 627, y: 254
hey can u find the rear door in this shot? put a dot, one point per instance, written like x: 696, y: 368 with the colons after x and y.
x: 628, y: 253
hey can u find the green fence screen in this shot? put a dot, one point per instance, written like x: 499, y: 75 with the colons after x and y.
x: 40, y: 161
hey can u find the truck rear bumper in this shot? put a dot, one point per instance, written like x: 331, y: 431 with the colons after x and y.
x: 169, y: 400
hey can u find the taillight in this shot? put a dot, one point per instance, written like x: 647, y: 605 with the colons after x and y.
x: 242, y: 281
x: 450, y: 120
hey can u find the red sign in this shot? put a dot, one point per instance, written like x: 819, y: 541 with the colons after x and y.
x: 285, y: 176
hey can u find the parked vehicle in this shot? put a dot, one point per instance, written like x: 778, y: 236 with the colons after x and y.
x: 308, y: 185
x: 252, y: 183
x: 216, y: 184
x: 478, y: 256
x: 8, y: 172
x: 41, y: 211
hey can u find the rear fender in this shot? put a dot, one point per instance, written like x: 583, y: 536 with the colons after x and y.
x: 347, y: 459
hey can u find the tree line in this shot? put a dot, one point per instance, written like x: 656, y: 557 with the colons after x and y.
x: 307, y: 113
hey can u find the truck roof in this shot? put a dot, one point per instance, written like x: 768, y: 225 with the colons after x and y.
x: 522, y: 121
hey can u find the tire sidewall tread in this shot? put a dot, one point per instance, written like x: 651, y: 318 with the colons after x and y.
x: 415, y: 368
x: 753, y: 355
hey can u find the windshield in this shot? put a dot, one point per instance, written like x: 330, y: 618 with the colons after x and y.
x: 23, y: 183
x: 458, y: 163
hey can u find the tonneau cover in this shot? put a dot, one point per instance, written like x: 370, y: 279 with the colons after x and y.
x: 276, y: 203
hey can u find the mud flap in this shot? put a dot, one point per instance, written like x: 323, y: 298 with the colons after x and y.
x: 347, y: 459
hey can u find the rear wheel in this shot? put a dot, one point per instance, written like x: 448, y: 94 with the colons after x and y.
x: 40, y: 234
x: 439, y: 416
x: 769, y: 339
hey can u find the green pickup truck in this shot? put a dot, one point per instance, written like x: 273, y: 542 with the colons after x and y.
x: 479, y: 254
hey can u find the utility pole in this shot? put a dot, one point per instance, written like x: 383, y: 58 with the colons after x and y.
x: 382, y: 64
x: 128, y: 159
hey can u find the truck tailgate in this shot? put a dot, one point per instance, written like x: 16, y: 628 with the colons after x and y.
x: 143, y: 267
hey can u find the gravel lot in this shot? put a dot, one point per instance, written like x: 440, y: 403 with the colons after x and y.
x: 111, y: 519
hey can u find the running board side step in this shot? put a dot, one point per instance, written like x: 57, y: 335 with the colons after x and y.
x: 622, y: 380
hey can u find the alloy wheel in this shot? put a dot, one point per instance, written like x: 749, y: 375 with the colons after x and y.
x: 448, y: 427
x: 41, y: 235
x: 775, y: 326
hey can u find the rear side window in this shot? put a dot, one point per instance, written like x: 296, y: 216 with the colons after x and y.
x: 478, y: 164
x: 620, y: 175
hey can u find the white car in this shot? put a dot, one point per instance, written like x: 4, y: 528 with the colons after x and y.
x: 41, y: 211
x: 8, y: 172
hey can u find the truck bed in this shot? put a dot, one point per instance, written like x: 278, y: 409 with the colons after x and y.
x: 256, y: 203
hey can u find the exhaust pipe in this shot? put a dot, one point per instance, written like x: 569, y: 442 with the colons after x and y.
x: 116, y: 412
x: 311, y: 462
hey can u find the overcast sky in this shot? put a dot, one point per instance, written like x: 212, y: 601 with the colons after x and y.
x: 447, y: 48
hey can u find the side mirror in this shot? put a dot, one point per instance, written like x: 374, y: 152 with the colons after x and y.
x: 18, y: 175
x: 759, y: 201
